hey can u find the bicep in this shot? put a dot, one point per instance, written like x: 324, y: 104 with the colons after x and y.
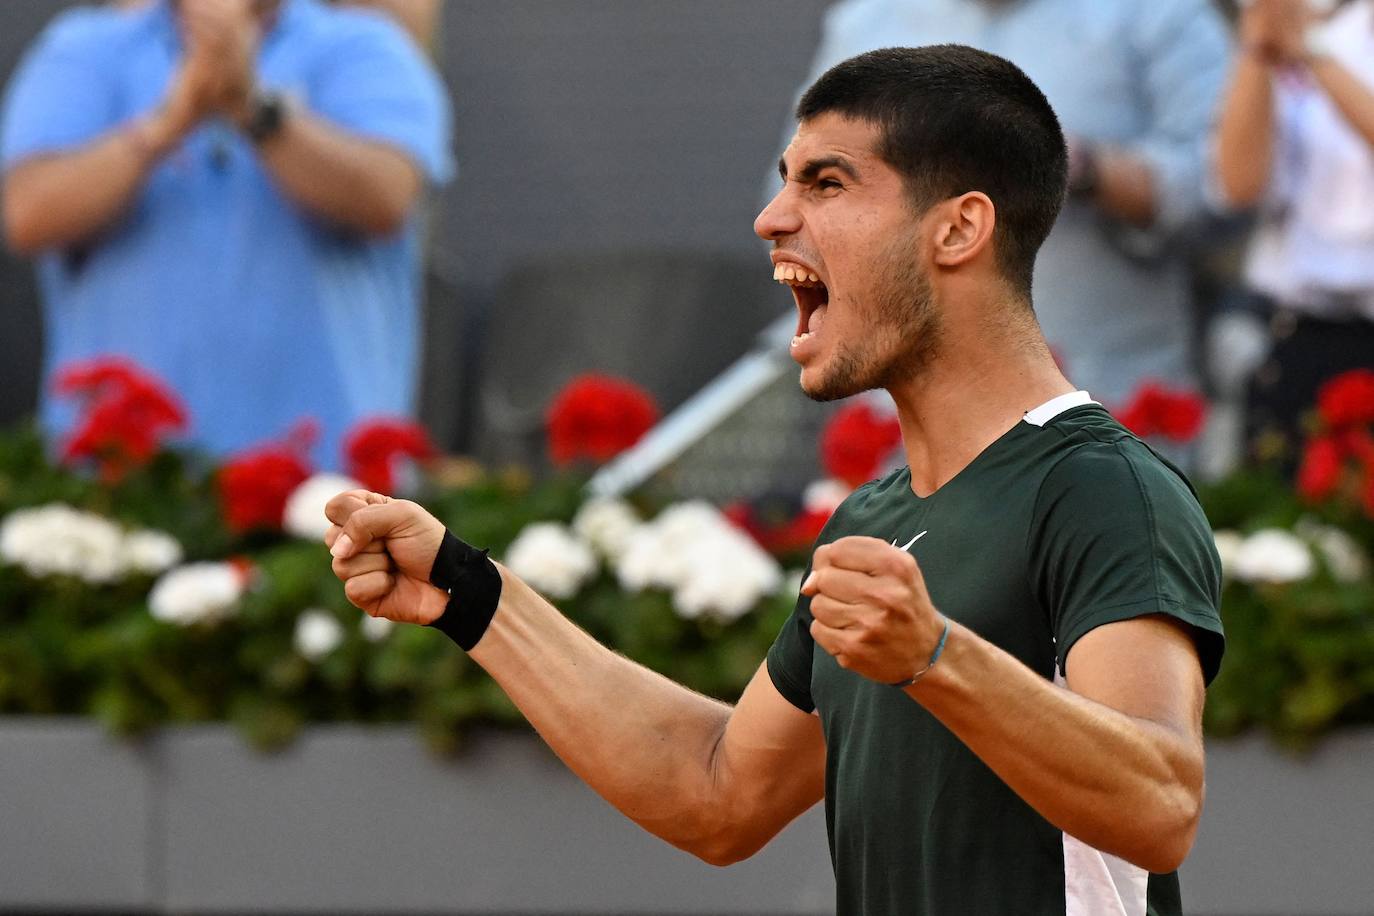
x: 1146, y: 667
x: 771, y: 756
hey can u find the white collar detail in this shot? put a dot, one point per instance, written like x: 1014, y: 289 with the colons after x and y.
x: 1055, y: 406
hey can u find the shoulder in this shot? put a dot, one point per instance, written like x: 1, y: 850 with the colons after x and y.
x: 856, y: 18
x: 1102, y: 467
x: 864, y: 501
x: 1166, y: 22
x: 334, y: 28
x: 90, y: 32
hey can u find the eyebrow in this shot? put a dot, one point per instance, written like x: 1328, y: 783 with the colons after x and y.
x: 814, y: 167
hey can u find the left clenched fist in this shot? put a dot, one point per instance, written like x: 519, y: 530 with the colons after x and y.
x: 871, y: 610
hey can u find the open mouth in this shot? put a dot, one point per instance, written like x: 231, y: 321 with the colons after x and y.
x: 812, y: 297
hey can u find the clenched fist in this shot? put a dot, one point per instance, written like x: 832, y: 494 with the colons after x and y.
x: 871, y: 610
x: 383, y: 551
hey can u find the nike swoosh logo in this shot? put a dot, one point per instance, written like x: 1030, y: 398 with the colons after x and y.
x: 910, y: 542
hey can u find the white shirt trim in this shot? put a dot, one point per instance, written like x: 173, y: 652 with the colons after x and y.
x: 1055, y: 406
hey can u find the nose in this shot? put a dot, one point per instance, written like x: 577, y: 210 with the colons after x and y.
x: 778, y: 219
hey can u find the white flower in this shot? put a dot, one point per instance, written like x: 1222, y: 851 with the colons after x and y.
x: 1342, y: 555
x: 58, y: 540
x: 304, y: 515
x: 1273, y: 555
x: 197, y: 593
x: 728, y: 575
x: 825, y: 495
x: 548, y: 557
x: 1228, y: 548
x: 656, y: 555
x: 375, y: 629
x: 151, y: 551
x: 710, y: 566
x: 606, y: 524
x: 317, y: 634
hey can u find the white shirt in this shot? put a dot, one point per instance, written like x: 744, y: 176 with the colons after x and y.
x: 1314, y: 248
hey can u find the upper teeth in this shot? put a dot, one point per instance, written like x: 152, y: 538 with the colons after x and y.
x: 790, y: 273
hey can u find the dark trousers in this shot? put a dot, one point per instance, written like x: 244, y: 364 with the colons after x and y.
x: 1283, y: 392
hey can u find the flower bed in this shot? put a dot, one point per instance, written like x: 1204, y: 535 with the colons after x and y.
x: 144, y: 585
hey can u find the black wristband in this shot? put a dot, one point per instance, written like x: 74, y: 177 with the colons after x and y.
x: 474, y: 587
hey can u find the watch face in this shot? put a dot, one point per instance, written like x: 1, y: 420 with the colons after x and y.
x: 268, y: 115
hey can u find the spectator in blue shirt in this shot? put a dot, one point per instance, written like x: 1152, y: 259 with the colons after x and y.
x: 229, y: 192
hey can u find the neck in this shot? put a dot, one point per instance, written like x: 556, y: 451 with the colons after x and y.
x: 984, y: 378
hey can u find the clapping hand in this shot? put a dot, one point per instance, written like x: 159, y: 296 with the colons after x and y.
x: 1276, y: 30
x: 221, y: 39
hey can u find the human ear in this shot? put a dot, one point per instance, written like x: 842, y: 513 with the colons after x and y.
x: 964, y: 228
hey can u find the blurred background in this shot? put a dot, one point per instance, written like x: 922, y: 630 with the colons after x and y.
x: 499, y: 257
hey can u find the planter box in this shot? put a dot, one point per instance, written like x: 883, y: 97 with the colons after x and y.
x: 352, y: 819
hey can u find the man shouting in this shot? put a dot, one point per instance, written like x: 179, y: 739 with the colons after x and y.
x: 995, y: 671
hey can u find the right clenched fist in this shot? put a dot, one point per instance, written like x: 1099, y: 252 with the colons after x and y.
x: 383, y: 551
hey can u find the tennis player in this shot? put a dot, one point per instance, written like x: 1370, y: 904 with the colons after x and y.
x: 995, y: 672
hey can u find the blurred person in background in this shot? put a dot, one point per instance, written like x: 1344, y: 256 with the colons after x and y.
x: 1135, y: 85
x: 418, y: 17
x: 1296, y: 142
x: 208, y: 185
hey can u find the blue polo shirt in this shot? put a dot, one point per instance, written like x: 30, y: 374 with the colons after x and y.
x: 257, y: 312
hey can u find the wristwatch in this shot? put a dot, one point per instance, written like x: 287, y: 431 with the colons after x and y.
x: 267, y: 113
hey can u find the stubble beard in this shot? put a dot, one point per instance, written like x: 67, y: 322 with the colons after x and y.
x: 901, y: 340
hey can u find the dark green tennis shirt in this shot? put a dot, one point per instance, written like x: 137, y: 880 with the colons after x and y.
x: 1051, y: 531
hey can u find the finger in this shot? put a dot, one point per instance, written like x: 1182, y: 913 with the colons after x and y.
x: 368, y: 588
x: 360, y: 564
x: 835, y: 614
x: 836, y: 642
x: 840, y: 584
x: 865, y: 554
x: 373, y: 522
x: 338, y: 509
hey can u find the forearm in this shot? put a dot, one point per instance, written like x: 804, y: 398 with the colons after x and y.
x: 1354, y: 99
x: 645, y: 744
x: 59, y: 200
x: 1125, y: 186
x: 362, y: 185
x: 1125, y: 785
x: 1245, y: 132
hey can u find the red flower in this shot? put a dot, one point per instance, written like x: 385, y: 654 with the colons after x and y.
x: 798, y: 534
x: 255, y: 484
x: 598, y: 417
x: 791, y: 536
x: 372, y: 447
x: 1159, y: 410
x: 1347, y: 399
x: 1320, y: 473
x: 855, y: 442
x: 127, y: 413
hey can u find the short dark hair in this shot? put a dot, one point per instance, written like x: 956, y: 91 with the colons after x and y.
x: 954, y: 119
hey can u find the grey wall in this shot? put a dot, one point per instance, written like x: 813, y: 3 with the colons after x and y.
x: 363, y: 820
x: 581, y: 125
